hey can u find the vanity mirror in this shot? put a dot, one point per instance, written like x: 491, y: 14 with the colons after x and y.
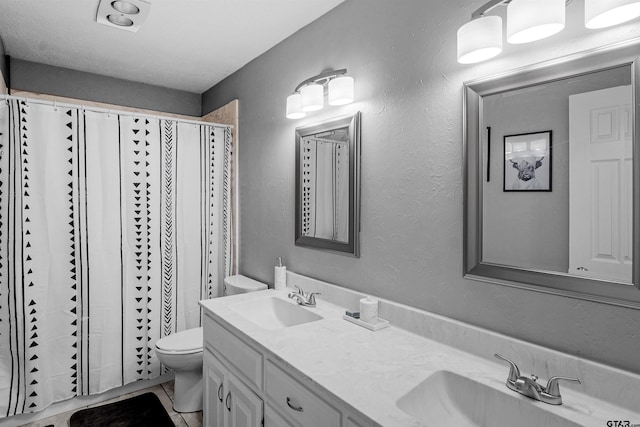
x: 328, y: 185
x: 563, y: 135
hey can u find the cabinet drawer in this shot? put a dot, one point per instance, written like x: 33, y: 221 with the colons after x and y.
x: 295, y: 400
x: 273, y: 419
x: 246, y: 360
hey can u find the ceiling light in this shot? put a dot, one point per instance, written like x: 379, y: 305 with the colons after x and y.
x: 309, y: 95
x: 606, y: 13
x: 121, y: 20
x: 125, y: 7
x: 480, y: 39
x: 123, y: 14
x: 531, y: 20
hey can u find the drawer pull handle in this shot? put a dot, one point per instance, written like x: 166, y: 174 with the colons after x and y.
x: 220, y: 393
x: 226, y: 402
x: 295, y: 408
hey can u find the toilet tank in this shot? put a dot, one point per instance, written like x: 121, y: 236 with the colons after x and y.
x: 239, y: 284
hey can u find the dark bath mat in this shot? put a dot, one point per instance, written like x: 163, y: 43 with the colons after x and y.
x: 138, y: 411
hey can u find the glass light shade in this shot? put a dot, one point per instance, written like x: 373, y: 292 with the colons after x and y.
x: 341, y: 90
x: 125, y: 7
x: 531, y: 20
x: 120, y: 20
x: 606, y: 13
x: 294, y: 107
x: 480, y: 39
x: 312, y: 97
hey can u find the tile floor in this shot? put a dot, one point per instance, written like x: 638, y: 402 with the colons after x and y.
x: 164, y: 393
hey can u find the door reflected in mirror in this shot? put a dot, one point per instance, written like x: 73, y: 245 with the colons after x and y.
x: 582, y: 224
x: 327, y: 185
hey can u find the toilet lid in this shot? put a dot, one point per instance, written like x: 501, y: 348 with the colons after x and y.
x: 189, y: 339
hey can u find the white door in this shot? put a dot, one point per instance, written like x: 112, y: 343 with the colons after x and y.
x: 214, y: 391
x: 600, y: 189
x: 244, y: 408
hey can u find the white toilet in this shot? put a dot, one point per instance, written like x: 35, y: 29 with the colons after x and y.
x: 182, y: 352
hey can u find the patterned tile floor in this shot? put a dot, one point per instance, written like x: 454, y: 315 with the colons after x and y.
x: 164, y: 393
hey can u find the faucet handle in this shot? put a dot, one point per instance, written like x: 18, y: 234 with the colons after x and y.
x: 514, y: 372
x: 300, y: 291
x: 312, y: 297
x: 552, y: 385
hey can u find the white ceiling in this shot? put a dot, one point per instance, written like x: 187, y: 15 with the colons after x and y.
x: 184, y: 44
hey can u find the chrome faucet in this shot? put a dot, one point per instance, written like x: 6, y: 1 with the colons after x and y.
x: 530, y: 387
x: 303, y: 298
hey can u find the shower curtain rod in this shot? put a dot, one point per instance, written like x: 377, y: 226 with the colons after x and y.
x: 109, y: 110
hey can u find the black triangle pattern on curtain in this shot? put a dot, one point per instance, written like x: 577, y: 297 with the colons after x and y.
x: 28, y: 255
x: 212, y: 202
x: 71, y: 148
x: 149, y: 255
x: 168, y: 238
x: 140, y: 295
x: 226, y: 200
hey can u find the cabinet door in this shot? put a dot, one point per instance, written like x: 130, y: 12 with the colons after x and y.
x: 214, y: 391
x: 244, y: 407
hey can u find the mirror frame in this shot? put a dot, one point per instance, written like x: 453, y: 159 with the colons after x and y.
x: 352, y: 247
x: 557, y: 283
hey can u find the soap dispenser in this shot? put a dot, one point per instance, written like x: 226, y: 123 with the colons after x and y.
x: 280, y: 275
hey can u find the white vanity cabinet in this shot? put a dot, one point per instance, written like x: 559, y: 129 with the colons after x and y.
x: 248, y: 387
x: 228, y: 401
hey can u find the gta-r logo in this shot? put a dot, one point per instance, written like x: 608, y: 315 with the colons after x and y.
x: 618, y: 423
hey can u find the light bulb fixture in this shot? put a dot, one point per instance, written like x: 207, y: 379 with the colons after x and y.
x: 480, y: 39
x: 123, y: 14
x: 294, y: 107
x: 341, y: 90
x: 530, y: 20
x: 309, y: 95
x: 312, y: 97
x: 607, y: 13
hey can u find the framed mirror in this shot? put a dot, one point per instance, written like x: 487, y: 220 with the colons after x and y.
x: 328, y: 185
x: 552, y: 177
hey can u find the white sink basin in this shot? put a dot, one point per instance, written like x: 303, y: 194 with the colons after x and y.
x: 274, y: 313
x: 449, y: 399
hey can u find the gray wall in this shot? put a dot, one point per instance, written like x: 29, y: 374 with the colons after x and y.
x: 409, y: 89
x: 40, y: 78
x: 531, y: 230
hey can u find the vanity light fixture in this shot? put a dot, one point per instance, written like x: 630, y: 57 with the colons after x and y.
x: 309, y: 95
x: 123, y: 14
x: 606, y: 13
x: 531, y: 20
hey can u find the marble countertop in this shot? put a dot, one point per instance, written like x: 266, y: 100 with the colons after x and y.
x: 370, y: 370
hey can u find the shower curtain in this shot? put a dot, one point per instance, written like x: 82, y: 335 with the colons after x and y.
x: 325, y: 189
x: 112, y: 227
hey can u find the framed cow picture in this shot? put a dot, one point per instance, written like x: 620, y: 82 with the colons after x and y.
x: 527, y: 161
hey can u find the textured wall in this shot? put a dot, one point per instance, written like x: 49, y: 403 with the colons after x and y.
x: 409, y: 89
x: 40, y: 78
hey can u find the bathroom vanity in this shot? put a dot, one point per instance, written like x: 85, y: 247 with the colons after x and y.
x: 267, y: 358
x: 245, y: 384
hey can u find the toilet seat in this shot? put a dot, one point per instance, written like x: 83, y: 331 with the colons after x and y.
x: 184, y: 342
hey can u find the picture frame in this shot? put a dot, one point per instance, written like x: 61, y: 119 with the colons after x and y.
x: 527, y: 161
